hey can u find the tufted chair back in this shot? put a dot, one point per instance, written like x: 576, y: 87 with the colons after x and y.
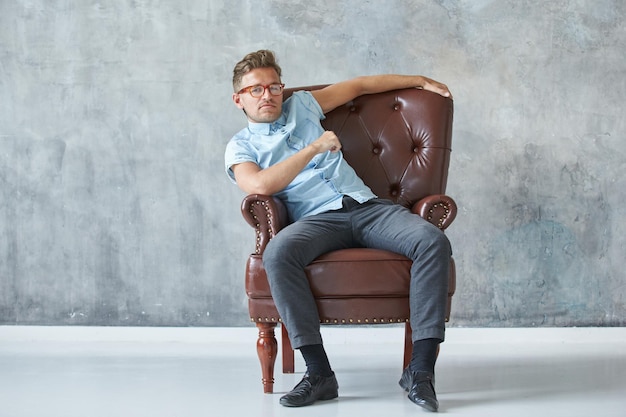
x: 399, y: 143
x: 398, y: 155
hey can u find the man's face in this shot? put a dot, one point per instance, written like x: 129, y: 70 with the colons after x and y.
x: 264, y: 109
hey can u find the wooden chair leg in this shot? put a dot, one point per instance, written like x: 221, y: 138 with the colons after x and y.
x: 408, y: 344
x: 287, y: 352
x: 267, y: 348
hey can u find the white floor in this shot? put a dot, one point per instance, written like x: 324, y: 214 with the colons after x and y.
x: 117, y: 372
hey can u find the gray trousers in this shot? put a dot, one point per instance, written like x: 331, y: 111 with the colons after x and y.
x: 378, y: 224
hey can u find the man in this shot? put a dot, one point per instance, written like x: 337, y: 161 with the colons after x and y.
x: 285, y: 152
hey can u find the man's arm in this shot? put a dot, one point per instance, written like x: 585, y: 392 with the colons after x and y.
x: 254, y: 180
x: 340, y: 93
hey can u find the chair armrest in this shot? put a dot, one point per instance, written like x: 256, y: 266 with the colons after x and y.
x: 266, y: 214
x: 438, y: 209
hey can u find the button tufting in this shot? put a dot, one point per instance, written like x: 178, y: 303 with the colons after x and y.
x: 376, y: 150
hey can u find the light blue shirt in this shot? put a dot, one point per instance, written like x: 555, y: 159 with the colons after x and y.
x: 321, y: 185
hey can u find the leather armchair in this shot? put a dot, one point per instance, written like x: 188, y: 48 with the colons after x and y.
x: 399, y: 143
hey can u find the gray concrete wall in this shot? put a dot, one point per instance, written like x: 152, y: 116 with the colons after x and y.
x: 114, y: 115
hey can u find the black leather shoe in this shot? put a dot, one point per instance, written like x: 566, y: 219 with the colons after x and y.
x: 420, y: 386
x: 311, y: 389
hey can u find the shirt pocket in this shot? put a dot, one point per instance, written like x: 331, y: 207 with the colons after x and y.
x: 305, y: 133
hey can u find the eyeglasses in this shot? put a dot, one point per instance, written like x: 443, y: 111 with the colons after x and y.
x: 257, y: 91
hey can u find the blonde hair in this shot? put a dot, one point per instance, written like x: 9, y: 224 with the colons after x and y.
x: 260, y: 59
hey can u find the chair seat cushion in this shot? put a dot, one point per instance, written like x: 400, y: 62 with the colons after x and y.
x: 358, y: 272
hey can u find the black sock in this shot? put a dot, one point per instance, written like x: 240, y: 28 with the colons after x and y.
x: 424, y: 355
x: 316, y: 360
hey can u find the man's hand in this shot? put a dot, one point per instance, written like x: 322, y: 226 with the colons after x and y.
x: 327, y: 142
x: 436, y: 87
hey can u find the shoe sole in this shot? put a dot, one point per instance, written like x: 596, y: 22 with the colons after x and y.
x: 424, y: 405
x: 325, y: 398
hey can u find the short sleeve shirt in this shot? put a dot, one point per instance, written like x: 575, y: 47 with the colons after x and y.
x: 327, y: 178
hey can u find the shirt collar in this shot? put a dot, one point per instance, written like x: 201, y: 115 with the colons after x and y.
x: 267, y: 128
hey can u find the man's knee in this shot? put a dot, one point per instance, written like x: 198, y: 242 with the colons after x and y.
x: 274, y: 251
x: 434, y: 241
x: 441, y: 241
x: 283, y: 250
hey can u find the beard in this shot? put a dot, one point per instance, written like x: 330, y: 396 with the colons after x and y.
x: 264, y: 114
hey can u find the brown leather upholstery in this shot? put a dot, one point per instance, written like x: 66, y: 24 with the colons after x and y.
x: 399, y: 143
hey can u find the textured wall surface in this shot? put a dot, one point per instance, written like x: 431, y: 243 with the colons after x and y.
x: 114, y: 115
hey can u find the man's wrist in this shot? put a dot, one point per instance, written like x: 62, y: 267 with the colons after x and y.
x: 420, y: 81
